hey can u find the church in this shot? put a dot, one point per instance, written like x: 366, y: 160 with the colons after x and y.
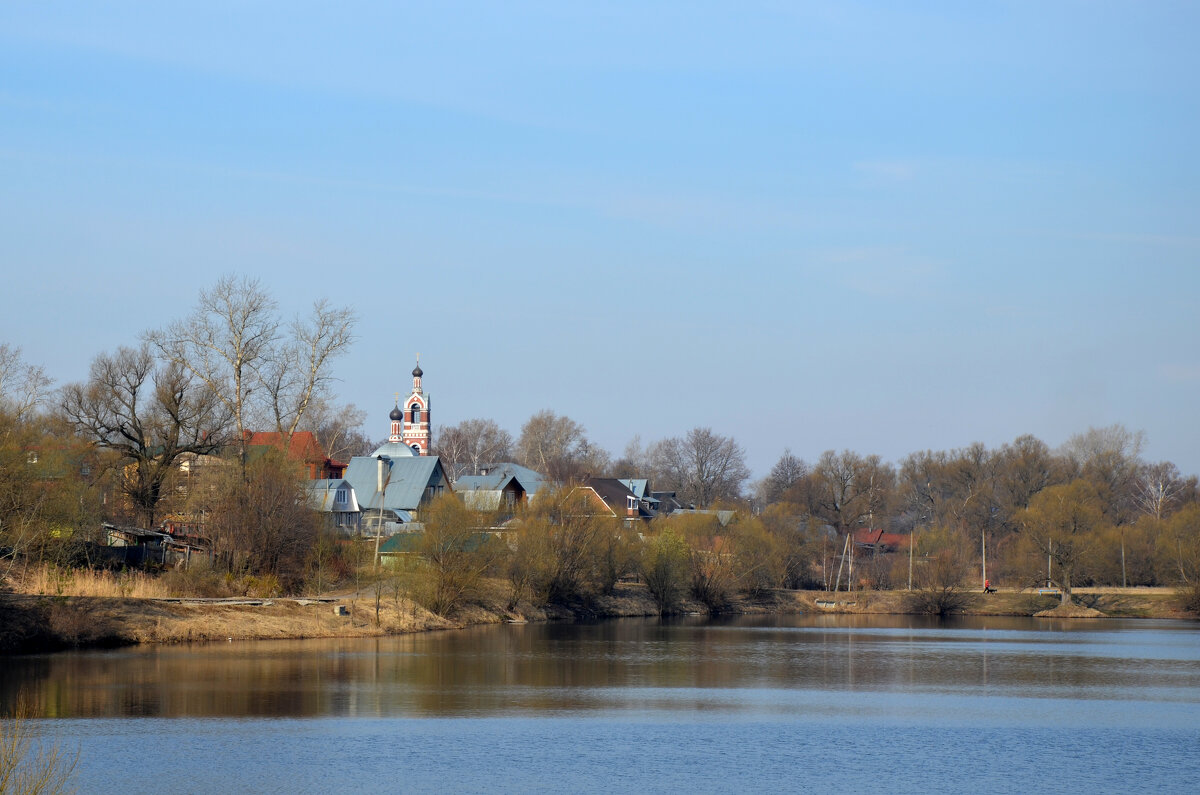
x: 392, y: 484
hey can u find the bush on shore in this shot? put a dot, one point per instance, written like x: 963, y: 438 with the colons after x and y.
x: 31, y: 764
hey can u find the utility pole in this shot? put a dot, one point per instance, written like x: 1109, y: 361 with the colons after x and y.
x: 912, y: 542
x: 983, y: 543
x: 381, y: 484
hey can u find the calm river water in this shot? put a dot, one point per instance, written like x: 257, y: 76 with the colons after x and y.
x: 789, y: 703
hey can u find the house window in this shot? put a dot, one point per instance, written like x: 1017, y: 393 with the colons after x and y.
x: 340, y: 497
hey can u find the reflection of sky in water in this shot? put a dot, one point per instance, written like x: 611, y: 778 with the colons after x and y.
x: 646, y: 751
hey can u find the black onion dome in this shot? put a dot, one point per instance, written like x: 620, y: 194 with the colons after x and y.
x: 396, y: 414
x: 417, y: 373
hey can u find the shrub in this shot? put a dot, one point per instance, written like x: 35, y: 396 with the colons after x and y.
x: 664, y: 567
x: 29, y: 764
x: 199, y: 579
x: 456, y: 555
x: 1189, y: 599
x: 938, y: 601
x: 565, y: 554
x: 940, y: 591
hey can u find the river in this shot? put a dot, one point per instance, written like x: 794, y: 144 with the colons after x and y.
x: 776, y: 703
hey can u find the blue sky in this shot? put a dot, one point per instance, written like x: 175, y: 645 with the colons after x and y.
x: 877, y: 226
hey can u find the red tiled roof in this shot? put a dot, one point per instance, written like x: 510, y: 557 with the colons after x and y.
x: 878, y: 538
x: 303, y: 445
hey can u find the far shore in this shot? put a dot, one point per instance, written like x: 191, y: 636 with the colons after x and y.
x: 36, y: 624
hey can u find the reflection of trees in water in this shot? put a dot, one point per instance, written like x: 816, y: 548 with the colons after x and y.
x: 538, y: 669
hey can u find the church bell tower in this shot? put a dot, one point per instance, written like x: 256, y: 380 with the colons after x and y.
x: 416, y: 416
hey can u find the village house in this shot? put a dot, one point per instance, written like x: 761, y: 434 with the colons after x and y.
x: 876, y: 540
x: 303, y: 448
x: 504, y: 485
x: 613, y: 497
x: 335, y: 498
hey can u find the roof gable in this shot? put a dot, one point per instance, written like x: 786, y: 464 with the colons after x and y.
x: 322, y: 495
x: 406, y: 481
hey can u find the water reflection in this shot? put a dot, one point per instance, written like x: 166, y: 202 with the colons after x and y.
x: 757, y: 664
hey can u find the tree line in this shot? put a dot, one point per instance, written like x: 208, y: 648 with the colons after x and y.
x: 111, y: 447
x: 1093, y: 512
x: 114, y: 447
x: 701, y: 467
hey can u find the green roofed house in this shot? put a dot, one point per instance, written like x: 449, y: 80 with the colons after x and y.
x: 403, y: 546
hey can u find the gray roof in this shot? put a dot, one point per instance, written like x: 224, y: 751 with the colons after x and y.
x: 321, y: 494
x: 405, y: 484
x: 498, y: 476
x: 394, y: 450
x: 637, y: 485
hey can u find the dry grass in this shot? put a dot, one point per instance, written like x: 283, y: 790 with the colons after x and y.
x: 49, y: 580
x: 175, y: 623
x: 29, y: 763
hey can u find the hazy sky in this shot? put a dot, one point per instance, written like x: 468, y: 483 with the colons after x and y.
x: 877, y: 226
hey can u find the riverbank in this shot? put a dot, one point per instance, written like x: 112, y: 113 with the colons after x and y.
x: 30, y: 624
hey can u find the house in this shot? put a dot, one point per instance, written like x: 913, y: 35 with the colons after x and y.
x: 500, y: 485
x: 136, y: 546
x: 302, y: 448
x: 723, y: 517
x: 668, y: 502
x: 337, y: 500
x: 402, y: 547
x: 614, y: 497
x: 877, y: 540
x: 391, y: 491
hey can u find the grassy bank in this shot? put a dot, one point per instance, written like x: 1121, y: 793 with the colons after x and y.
x: 32, y: 623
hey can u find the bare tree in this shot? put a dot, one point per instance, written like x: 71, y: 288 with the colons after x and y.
x: 298, y: 372
x: 845, y: 487
x: 1062, y: 523
x: 22, y: 386
x: 262, y: 524
x: 467, y: 447
x: 339, y: 430
x: 787, y: 470
x: 557, y: 446
x: 702, y: 467
x: 1024, y: 468
x: 225, y: 343
x: 150, y: 414
x: 232, y: 343
x: 1160, y: 489
x: 1109, y: 458
x: 633, y: 461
